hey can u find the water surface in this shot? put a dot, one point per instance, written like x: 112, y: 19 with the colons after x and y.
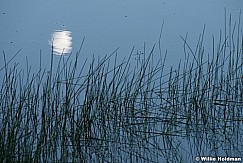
x: 106, y: 25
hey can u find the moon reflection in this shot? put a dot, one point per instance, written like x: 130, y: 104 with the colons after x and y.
x: 61, y: 42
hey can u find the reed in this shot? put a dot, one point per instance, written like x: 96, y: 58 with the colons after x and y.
x: 125, y: 112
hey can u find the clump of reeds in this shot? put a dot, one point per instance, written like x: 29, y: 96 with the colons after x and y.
x: 118, y: 112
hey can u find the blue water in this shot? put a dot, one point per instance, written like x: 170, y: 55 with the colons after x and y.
x: 29, y: 25
x: 39, y: 28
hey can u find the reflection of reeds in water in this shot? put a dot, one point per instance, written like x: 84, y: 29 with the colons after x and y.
x: 125, y: 113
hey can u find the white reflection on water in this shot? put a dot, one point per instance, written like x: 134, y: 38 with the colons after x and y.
x: 61, y: 41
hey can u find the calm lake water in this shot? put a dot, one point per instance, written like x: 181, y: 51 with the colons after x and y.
x: 59, y: 26
x: 33, y: 26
